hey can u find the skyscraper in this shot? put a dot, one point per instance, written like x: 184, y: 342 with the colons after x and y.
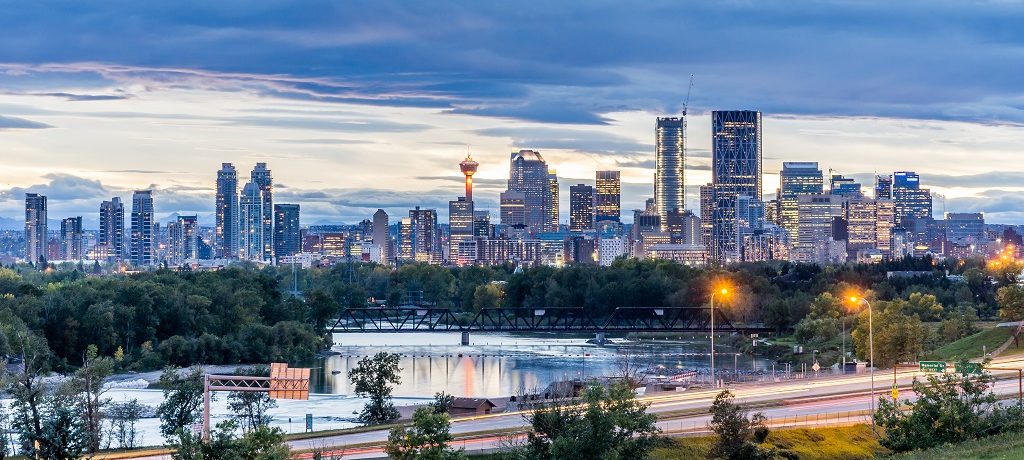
x: 912, y: 201
x: 796, y: 179
x: 36, y: 236
x: 380, y: 234
x: 816, y: 242
x: 261, y: 177
x: 513, y: 208
x: 183, y: 239
x: 460, y: 231
x: 843, y: 186
x: 250, y: 228
x: 552, y: 225
x: 468, y: 167
x: 71, y: 239
x: 111, y: 236
x: 424, y: 238
x: 142, y: 241
x: 707, y: 213
x: 883, y: 187
x: 528, y: 174
x: 287, y: 238
x: 607, y: 195
x: 581, y: 208
x: 227, y: 225
x: 669, y: 158
x: 736, y: 170
x: 749, y: 220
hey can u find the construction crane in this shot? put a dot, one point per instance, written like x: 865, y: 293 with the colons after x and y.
x: 685, y: 104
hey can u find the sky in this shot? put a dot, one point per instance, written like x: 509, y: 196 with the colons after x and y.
x: 360, y: 105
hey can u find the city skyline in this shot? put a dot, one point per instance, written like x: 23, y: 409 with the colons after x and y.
x: 82, y: 124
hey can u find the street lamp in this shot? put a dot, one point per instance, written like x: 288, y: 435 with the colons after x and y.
x: 723, y: 291
x: 871, y: 352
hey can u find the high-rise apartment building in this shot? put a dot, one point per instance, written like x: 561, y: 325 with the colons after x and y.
x: 380, y: 234
x: 225, y: 233
x: 142, y: 239
x: 581, y: 208
x: 405, y: 239
x: 553, y: 200
x: 735, y: 170
x: 287, y: 233
x: 796, y: 179
x: 183, y: 239
x: 912, y: 201
x: 669, y: 159
x: 425, y: 240
x: 460, y: 231
x: 36, y: 233
x: 111, y: 237
x: 250, y: 219
x: 607, y: 196
x: 71, y: 239
x: 529, y: 175
x: 262, y: 178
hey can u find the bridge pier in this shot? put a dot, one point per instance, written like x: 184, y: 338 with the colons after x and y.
x: 599, y: 338
x: 465, y: 338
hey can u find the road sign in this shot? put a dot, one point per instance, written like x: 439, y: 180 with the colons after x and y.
x: 309, y: 422
x: 895, y: 392
x: 967, y: 368
x: 933, y: 366
x: 288, y: 383
x: 815, y: 367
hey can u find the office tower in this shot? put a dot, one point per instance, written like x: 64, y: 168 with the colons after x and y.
x: 735, y: 170
x: 261, y: 177
x: 142, y: 237
x: 111, y: 236
x: 816, y: 242
x: 883, y: 187
x: 607, y: 195
x: 183, y: 239
x: 380, y: 233
x: 581, y: 208
x: 885, y: 220
x: 468, y: 167
x: 71, y: 239
x: 609, y: 249
x: 482, y: 224
x: 797, y: 178
x: 425, y: 241
x: 749, y: 219
x: 287, y: 238
x: 225, y: 238
x: 460, y: 231
x: 911, y: 200
x: 861, y: 215
x: 553, y: 201
x: 36, y: 236
x: 405, y: 237
x: 684, y: 228
x: 250, y: 225
x: 707, y: 212
x: 965, y: 228
x: 669, y: 160
x: 513, y: 209
x: 528, y: 174
x: 843, y: 186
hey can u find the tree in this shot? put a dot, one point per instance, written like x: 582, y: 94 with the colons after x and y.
x: 487, y: 295
x: 262, y: 443
x: 4, y: 445
x: 442, y: 403
x: 1010, y: 300
x: 123, y: 417
x: 950, y: 408
x: 87, y: 382
x: 65, y: 433
x: 427, y: 438
x: 898, y: 336
x: 183, y: 397
x: 607, y: 424
x: 925, y: 306
x: 250, y: 408
x: 738, y: 434
x: 27, y: 388
x: 373, y: 377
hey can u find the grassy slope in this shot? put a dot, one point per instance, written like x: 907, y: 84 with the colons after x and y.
x: 1002, y: 446
x: 970, y: 346
x: 838, y: 443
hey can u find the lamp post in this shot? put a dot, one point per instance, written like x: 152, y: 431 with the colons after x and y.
x: 722, y: 291
x: 871, y: 353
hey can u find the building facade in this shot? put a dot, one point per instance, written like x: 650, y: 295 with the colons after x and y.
x: 581, y: 208
x: 226, y: 240
x: 142, y: 241
x: 669, y: 162
x: 71, y: 244
x: 36, y: 232
x: 736, y: 170
x: 607, y: 196
x: 111, y: 236
x: 287, y: 231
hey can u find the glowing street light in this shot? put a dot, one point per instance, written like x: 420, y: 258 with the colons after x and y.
x: 854, y: 300
x: 724, y: 291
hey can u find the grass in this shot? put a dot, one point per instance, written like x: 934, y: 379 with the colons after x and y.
x: 835, y: 443
x: 971, y: 346
x: 1000, y: 446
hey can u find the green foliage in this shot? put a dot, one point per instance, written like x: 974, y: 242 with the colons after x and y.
x: 607, y: 424
x: 972, y: 345
x: 249, y: 408
x: 442, y: 403
x: 65, y: 433
x: 261, y: 443
x: 897, y: 335
x: 87, y: 382
x: 856, y: 442
x: 1010, y: 300
x: 123, y: 417
x: 738, y: 435
x: 426, y: 439
x: 182, y: 404
x: 950, y: 408
x: 373, y: 377
x: 488, y: 296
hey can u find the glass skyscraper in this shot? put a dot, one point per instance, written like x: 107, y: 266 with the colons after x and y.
x: 669, y: 157
x: 581, y: 208
x: 607, y: 193
x: 142, y: 240
x: 529, y: 175
x: 912, y: 201
x: 796, y: 179
x: 227, y: 225
x: 287, y: 240
x: 36, y: 235
x: 262, y: 178
x: 111, y: 236
x: 735, y: 170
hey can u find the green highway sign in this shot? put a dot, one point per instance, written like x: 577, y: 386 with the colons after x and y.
x: 933, y: 366
x: 968, y: 368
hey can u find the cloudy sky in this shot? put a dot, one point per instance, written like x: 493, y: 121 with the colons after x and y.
x: 359, y: 105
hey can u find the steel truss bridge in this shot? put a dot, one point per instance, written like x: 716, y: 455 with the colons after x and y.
x: 621, y: 320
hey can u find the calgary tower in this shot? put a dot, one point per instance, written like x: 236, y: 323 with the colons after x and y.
x: 468, y: 167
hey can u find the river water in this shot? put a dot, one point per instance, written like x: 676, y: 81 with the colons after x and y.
x: 493, y: 366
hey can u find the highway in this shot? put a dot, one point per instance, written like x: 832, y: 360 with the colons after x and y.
x: 804, y: 402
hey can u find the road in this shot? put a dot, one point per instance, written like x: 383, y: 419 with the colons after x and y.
x: 812, y: 401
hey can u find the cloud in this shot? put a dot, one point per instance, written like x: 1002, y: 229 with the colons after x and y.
x: 21, y: 123
x: 578, y: 140
x: 85, y: 97
x: 323, y: 141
